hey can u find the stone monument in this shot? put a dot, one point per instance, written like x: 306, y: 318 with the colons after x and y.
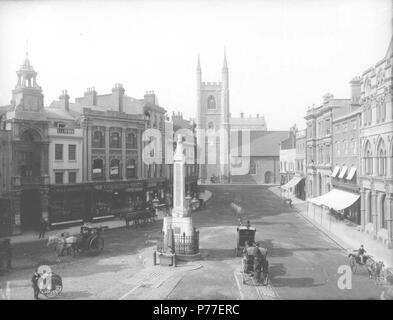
x: 179, y: 233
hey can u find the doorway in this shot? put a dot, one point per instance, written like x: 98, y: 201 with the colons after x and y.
x: 30, y: 209
x: 268, y: 177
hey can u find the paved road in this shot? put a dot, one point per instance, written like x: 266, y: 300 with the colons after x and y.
x: 303, y: 261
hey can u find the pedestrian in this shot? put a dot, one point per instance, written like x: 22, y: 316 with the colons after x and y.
x: 34, y: 284
x: 258, y: 261
x: 127, y: 220
x: 8, y: 253
x: 248, y: 224
x: 43, y: 227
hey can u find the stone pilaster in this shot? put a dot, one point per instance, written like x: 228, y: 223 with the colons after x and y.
x: 140, y: 161
x: 45, y: 158
x: 87, y: 154
x: 123, y: 154
x: 389, y: 218
x: 363, y: 217
x: 15, y: 207
x: 107, y: 173
x: 374, y: 212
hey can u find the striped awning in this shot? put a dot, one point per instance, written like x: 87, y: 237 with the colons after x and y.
x: 335, y: 171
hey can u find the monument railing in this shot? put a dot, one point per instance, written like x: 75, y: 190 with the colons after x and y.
x: 187, y: 244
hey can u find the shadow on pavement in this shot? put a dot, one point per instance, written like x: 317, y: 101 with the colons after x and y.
x: 211, y: 254
x: 71, y: 295
x: 277, y: 270
x: 295, y: 282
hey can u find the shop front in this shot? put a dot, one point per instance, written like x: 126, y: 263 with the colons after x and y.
x: 156, y: 188
x: 113, y: 199
x: 5, y: 217
x: 68, y: 204
x: 337, y: 204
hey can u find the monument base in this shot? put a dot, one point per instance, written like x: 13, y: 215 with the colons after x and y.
x: 188, y: 257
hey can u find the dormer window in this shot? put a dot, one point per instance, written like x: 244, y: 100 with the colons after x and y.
x: 60, y: 125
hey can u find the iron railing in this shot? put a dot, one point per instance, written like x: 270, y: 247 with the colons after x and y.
x: 187, y: 244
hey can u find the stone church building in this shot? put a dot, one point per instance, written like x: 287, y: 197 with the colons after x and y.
x: 233, y: 149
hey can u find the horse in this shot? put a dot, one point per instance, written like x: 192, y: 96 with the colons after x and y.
x: 64, y: 242
x: 374, y: 269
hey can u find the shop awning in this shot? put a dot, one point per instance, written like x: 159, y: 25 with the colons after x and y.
x: 343, y: 172
x: 335, y: 171
x: 336, y: 199
x: 351, y: 173
x: 293, y: 182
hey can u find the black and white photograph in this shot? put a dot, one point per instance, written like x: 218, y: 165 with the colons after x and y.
x: 182, y: 151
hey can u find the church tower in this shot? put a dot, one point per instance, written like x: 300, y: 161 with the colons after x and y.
x: 213, y: 124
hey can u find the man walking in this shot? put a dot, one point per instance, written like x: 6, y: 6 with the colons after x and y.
x: 257, y: 262
x: 43, y: 226
x: 34, y: 284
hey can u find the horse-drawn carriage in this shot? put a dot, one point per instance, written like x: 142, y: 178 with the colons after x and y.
x: 244, y: 233
x: 374, y: 268
x: 88, y: 241
x: 252, y: 266
x: 139, y: 217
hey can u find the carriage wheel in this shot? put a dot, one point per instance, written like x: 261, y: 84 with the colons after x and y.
x: 353, y: 265
x: 58, y: 289
x: 96, y: 245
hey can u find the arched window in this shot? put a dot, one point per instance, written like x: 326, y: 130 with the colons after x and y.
x: 98, y: 169
x: 368, y: 159
x: 115, y: 141
x: 381, y: 154
x: 114, y: 169
x: 131, y: 169
x: 98, y: 139
x: 131, y: 141
x: 211, y: 102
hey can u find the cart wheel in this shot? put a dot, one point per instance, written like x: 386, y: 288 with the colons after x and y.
x: 96, y: 245
x: 58, y: 289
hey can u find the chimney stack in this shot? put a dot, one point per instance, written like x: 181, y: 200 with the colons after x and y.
x: 90, y: 97
x: 65, y: 100
x: 150, y: 97
x: 118, y: 94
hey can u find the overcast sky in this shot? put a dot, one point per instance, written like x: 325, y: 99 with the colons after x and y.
x: 282, y: 55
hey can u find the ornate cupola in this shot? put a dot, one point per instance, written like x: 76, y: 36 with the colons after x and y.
x: 27, y: 95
